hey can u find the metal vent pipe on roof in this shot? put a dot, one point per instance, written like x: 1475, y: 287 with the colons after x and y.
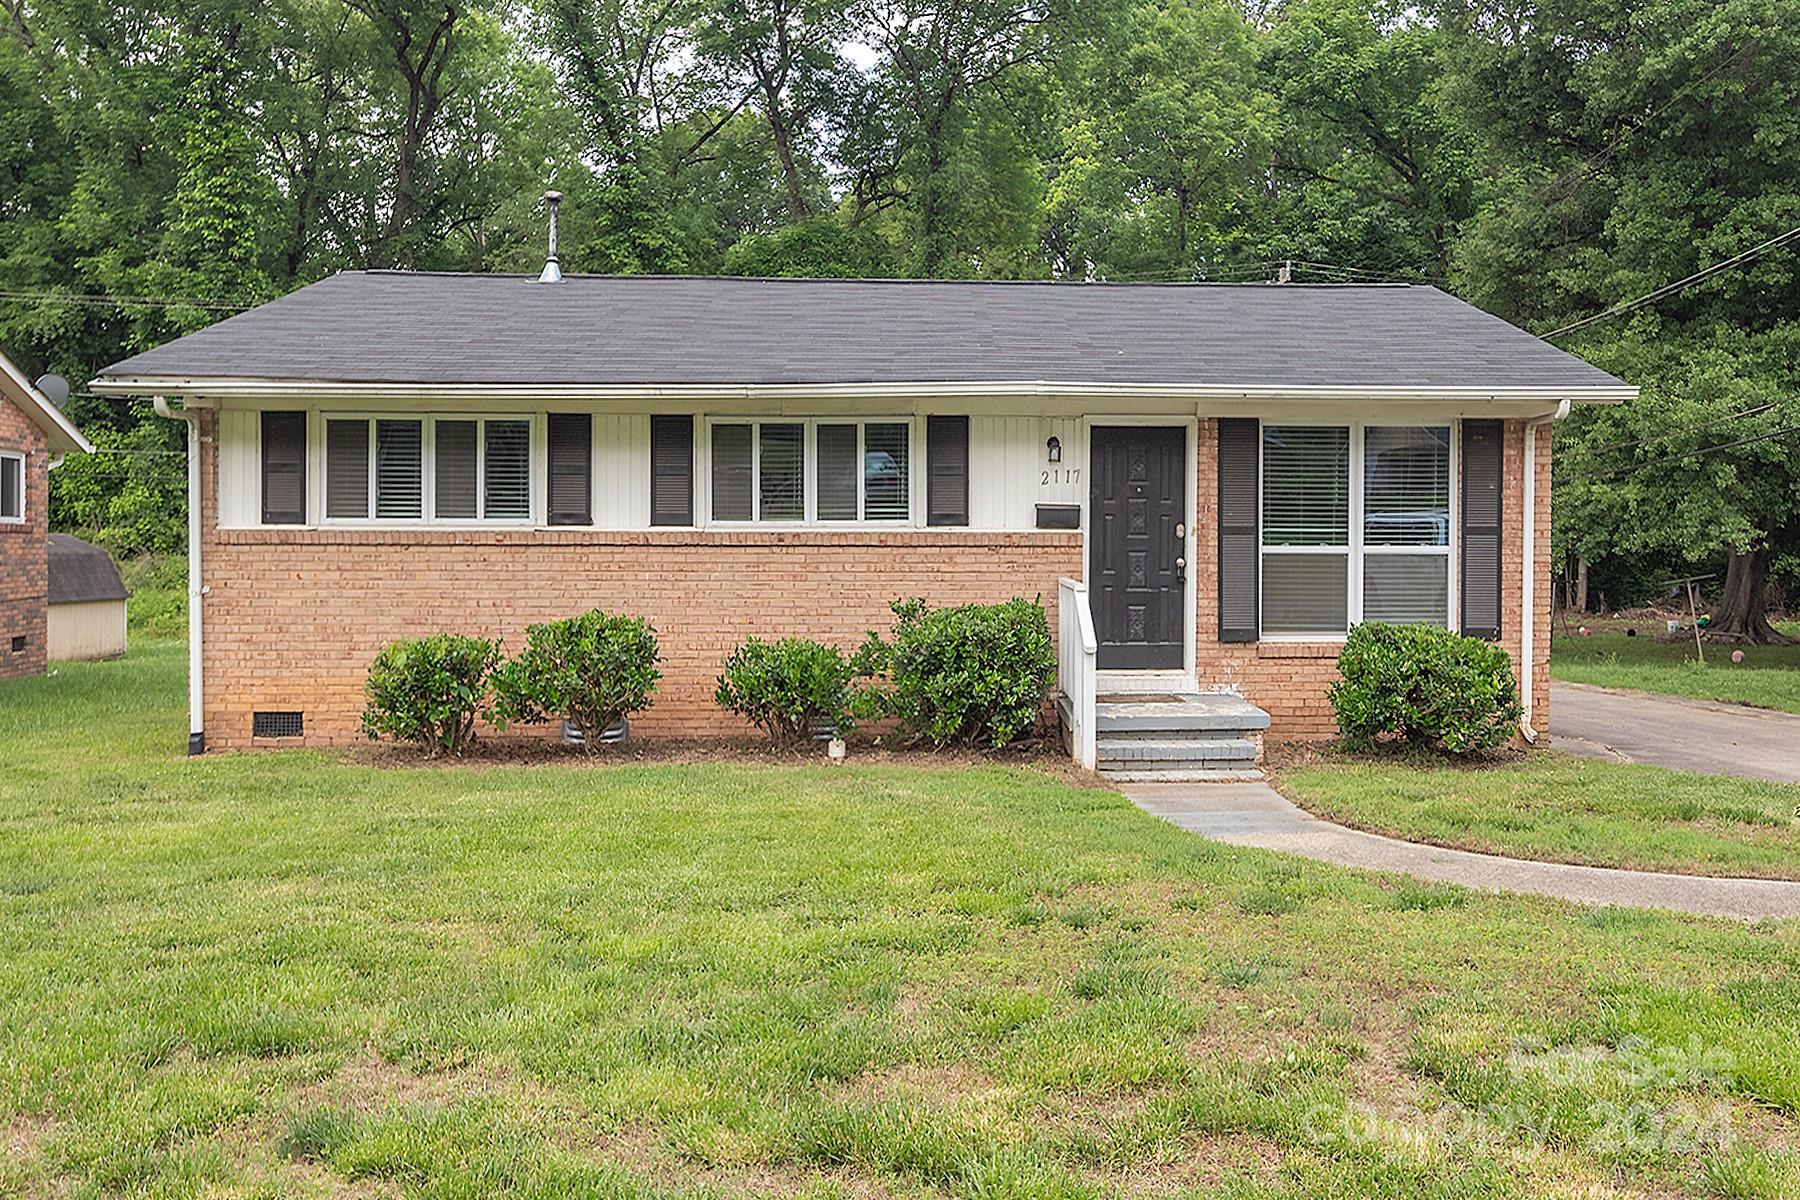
x: 552, y: 269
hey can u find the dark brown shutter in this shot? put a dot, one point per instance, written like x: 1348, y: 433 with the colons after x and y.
x: 571, y: 469
x: 1240, y: 529
x: 1482, y: 475
x: 946, y: 470
x: 671, y: 470
x: 284, y: 468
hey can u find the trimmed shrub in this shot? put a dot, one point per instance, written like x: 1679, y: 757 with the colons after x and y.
x: 788, y: 689
x: 591, y: 670
x: 1426, y: 687
x: 429, y: 691
x: 978, y: 674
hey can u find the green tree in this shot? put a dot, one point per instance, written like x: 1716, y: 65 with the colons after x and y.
x: 1632, y: 146
x: 1371, y: 167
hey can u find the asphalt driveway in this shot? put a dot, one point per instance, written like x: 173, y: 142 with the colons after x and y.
x: 1668, y: 731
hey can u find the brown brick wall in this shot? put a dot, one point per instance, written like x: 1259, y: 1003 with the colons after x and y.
x: 1289, y: 679
x: 293, y: 617
x: 24, y: 561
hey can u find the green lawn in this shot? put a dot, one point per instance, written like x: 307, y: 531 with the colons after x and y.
x: 1562, y: 809
x: 1769, y: 677
x: 290, y: 975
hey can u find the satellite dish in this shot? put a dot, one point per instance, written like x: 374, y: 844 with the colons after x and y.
x: 55, y: 389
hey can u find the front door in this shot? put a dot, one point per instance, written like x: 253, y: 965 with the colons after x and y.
x: 1136, y: 574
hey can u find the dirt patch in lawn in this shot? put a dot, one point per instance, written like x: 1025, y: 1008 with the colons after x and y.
x: 22, y: 1135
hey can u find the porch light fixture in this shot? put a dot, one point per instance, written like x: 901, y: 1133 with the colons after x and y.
x: 1054, y: 449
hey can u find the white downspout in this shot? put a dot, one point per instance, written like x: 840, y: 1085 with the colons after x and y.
x: 196, y: 615
x: 1528, y: 573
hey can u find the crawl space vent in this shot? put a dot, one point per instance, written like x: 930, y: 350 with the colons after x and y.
x: 277, y: 725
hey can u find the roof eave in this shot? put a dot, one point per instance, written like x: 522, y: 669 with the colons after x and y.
x: 250, y: 388
x: 60, y: 434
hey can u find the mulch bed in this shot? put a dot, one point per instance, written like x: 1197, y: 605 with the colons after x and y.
x: 1044, y: 754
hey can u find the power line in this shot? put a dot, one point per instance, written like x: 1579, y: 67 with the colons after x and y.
x: 1736, y: 260
x: 1601, y: 157
x: 101, y: 301
x: 1657, y: 462
x: 1748, y: 412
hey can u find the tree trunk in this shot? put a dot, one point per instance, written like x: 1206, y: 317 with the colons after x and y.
x: 1581, y: 586
x: 1741, y: 615
x: 929, y: 208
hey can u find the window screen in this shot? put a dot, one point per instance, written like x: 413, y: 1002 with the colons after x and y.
x: 1406, y: 589
x: 456, y: 470
x: 506, y: 471
x: 1306, y: 594
x: 347, y: 469
x: 732, y: 473
x: 1406, y: 486
x: 399, y: 470
x: 1306, y: 486
x: 781, y: 487
x: 837, y: 473
x: 1305, y: 530
x: 12, y: 488
x: 885, y: 472
x: 283, y: 468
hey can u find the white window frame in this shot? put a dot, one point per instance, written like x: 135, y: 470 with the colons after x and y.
x: 1357, y: 548
x: 428, y: 471
x: 19, y: 457
x: 810, y: 472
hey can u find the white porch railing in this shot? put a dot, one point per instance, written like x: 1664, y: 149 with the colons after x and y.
x: 1076, y: 653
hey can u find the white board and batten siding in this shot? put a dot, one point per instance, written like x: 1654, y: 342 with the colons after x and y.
x: 1010, y: 473
x: 1009, y: 469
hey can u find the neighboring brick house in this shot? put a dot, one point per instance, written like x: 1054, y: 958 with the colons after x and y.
x: 1224, y: 479
x: 34, y: 435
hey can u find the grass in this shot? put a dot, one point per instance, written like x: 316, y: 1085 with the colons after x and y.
x: 157, y: 587
x: 1557, y: 808
x: 291, y: 974
x: 1769, y: 676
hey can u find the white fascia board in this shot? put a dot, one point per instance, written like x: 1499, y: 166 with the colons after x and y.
x: 246, y: 388
x: 60, y: 434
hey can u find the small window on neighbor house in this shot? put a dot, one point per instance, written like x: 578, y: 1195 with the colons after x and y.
x: 12, y: 487
x: 18, y: 643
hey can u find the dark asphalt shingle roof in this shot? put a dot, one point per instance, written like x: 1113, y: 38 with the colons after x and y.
x: 80, y: 571
x: 404, y: 327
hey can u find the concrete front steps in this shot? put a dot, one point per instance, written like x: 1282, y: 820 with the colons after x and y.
x: 1183, y: 737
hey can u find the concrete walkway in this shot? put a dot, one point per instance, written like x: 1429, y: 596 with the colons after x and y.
x: 1254, y: 814
x: 1668, y: 731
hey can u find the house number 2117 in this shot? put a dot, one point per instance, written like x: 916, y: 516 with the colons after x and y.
x: 1059, y: 475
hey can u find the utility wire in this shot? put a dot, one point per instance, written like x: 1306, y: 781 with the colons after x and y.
x: 102, y: 301
x: 1602, y: 157
x: 1668, y: 289
x: 1748, y: 412
x: 1657, y: 462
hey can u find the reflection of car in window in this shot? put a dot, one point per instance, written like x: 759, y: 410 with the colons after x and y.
x: 1423, y: 528
x: 879, y: 465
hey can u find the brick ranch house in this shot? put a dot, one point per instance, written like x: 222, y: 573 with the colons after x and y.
x: 1207, y: 485
x: 34, y: 435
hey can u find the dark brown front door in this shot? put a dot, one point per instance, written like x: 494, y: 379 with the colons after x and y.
x: 1136, y: 576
